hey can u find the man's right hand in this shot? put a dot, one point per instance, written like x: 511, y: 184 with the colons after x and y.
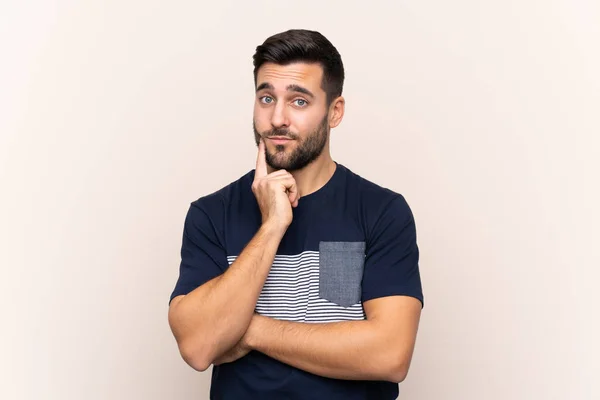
x: 276, y: 192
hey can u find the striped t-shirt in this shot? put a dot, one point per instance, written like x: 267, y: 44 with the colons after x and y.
x: 349, y: 242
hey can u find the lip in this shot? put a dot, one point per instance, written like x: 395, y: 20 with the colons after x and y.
x: 279, y: 139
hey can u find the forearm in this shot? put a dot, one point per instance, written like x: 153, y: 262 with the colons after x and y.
x: 355, y: 350
x: 213, y: 317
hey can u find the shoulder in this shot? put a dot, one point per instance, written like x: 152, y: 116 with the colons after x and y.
x: 216, y: 202
x: 379, y: 205
x: 374, y: 196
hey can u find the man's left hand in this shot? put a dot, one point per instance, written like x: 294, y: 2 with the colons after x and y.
x: 236, y: 352
x: 241, y: 348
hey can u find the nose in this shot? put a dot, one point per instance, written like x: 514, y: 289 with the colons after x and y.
x: 279, y: 118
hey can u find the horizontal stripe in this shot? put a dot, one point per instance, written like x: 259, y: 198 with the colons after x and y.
x: 291, y: 292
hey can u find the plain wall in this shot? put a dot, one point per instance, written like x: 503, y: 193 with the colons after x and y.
x: 115, y: 115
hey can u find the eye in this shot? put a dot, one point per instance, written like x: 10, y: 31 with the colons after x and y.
x: 301, y: 102
x: 266, y: 99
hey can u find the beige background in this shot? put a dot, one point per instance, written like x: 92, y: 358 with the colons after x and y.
x: 115, y: 115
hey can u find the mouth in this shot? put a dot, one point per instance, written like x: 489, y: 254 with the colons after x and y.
x: 279, y: 139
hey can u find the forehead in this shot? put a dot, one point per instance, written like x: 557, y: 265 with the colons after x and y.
x: 309, y: 75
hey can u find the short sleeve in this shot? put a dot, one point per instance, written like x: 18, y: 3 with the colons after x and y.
x: 392, y: 255
x: 203, y: 256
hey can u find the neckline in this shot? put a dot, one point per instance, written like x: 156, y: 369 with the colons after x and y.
x: 326, y: 188
x: 322, y: 191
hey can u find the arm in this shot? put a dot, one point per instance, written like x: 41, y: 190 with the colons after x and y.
x: 378, y: 348
x: 210, y: 319
x: 213, y: 317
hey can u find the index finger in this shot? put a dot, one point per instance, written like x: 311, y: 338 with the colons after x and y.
x: 261, y: 161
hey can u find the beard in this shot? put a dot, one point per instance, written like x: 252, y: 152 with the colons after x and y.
x: 307, y: 150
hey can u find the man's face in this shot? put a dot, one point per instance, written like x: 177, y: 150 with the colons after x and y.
x: 290, y: 113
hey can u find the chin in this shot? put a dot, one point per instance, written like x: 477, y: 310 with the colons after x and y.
x: 280, y: 160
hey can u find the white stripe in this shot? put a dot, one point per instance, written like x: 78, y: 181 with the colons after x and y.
x: 291, y: 292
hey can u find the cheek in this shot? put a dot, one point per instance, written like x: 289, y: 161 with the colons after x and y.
x: 304, y: 122
x: 260, y: 118
x: 261, y: 112
x: 256, y: 112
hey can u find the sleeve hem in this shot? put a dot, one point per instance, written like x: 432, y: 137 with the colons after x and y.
x: 392, y: 292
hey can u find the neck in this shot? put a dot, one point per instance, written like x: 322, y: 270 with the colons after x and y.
x: 315, y: 175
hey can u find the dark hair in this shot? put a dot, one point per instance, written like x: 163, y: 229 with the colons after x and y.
x: 306, y: 46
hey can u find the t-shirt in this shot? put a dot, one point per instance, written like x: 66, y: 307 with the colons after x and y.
x: 349, y: 242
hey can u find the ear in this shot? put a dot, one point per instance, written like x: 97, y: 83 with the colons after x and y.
x: 336, y: 111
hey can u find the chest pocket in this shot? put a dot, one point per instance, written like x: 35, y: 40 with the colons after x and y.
x: 340, y: 271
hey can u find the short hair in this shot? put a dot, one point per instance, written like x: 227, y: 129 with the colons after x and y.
x: 301, y: 45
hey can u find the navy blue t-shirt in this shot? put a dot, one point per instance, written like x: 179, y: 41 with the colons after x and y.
x: 349, y: 242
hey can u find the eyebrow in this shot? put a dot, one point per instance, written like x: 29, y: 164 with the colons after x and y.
x: 290, y: 88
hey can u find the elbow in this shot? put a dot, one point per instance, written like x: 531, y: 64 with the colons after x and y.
x: 198, y: 364
x: 397, y: 374
x: 195, y: 356
x: 396, y: 368
x: 194, y: 352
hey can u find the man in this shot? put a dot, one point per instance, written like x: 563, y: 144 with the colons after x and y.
x: 300, y: 280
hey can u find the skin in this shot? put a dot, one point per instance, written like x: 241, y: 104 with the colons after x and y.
x: 216, y: 323
x: 278, y: 107
x: 212, y: 318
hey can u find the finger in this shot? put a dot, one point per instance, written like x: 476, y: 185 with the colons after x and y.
x: 287, y: 182
x: 286, y: 179
x: 279, y: 174
x: 294, y: 197
x: 261, y: 162
x: 294, y: 202
x: 292, y: 191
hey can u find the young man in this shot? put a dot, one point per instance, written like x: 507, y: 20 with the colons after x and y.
x: 300, y: 280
